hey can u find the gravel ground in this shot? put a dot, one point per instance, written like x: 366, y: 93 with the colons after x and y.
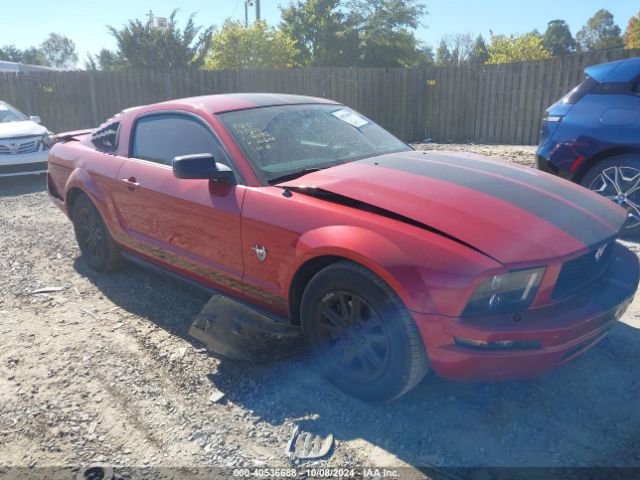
x: 104, y: 371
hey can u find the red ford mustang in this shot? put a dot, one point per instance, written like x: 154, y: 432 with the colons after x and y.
x: 392, y: 261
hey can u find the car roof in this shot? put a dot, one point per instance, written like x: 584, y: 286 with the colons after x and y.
x: 241, y: 101
x: 615, y: 72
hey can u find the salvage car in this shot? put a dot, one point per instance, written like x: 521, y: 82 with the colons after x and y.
x: 592, y: 135
x: 391, y: 261
x: 24, y: 143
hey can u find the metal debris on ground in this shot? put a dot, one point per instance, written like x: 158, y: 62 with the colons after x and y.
x: 308, y: 445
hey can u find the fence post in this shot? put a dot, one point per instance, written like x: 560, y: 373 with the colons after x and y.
x: 26, y: 84
x: 168, y: 87
x: 93, y: 101
x: 418, y: 120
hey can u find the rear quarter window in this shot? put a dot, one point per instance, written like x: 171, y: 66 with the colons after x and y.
x: 106, y: 139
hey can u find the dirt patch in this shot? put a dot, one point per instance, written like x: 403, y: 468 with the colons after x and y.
x: 103, y: 370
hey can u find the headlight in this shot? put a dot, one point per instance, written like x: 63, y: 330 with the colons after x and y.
x: 503, y: 293
x: 48, y: 139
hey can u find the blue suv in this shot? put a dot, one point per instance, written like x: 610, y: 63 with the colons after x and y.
x: 592, y: 135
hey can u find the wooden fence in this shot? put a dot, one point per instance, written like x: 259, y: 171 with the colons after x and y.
x: 480, y: 104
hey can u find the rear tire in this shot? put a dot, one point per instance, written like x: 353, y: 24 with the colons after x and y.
x: 96, y: 244
x: 618, y: 179
x: 363, y: 337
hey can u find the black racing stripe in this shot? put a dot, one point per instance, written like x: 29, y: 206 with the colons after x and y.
x: 571, y: 220
x: 594, y: 205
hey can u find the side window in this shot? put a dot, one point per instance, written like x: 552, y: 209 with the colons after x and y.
x: 160, y: 138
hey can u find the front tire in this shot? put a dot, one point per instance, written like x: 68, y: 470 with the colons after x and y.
x: 618, y: 179
x: 96, y: 244
x: 363, y: 337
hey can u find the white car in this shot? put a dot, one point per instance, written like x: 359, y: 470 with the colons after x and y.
x: 24, y: 143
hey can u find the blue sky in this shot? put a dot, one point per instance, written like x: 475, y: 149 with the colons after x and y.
x: 27, y: 23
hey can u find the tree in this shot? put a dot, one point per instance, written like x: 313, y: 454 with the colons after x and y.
x: 425, y: 55
x: 479, y: 53
x: 32, y: 55
x: 443, y: 54
x: 258, y: 46
x: 110, y: 61
x: 321, y: 32
x: 90, y: 63
x: 385, y: 31
x: 106, y: 60
x: 147, y: 45
x: 459, y: 47
x: 59, y: 51
x: 632, y: 35
x: 10, y: 53
x: 516, y: 48
x: 600, y: 32
x: 557, y: 38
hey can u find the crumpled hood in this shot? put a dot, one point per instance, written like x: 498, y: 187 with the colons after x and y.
x: 21, y: 129
x: 512, y: 213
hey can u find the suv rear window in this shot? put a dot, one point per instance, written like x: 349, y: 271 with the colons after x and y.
x: 579, y: 91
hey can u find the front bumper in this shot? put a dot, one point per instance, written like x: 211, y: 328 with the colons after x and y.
x: 563, y: 330
x: 26, y: 164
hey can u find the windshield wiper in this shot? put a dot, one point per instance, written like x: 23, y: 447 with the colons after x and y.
x: 293, y: 175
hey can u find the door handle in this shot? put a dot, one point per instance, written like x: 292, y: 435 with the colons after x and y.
x: 130, y: 182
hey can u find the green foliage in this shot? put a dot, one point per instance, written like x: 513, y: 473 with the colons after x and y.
x: 425, y: 56
x: 479, y: 53
x: 10, y: 53
x: 146, y: 45
x: 258, y: 46
x: 557, y: 38
x: 375, y: 33
x: 321, y: 31
x: 516, y: 48
x: 59, y: 51
x: 108, y: 60
x: 32, y: 55
x: 385, y: 31
x: 600, y: 32
x: 444, y: 57
x: 90, y: 63
x: 632, y: 35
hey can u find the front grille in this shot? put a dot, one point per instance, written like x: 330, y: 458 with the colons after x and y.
x: 19, y: 146
x: 580, y: 272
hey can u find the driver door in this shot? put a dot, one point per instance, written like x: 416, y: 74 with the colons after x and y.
x: 189, y: 225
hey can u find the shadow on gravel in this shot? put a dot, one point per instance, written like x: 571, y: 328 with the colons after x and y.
x: 21, y: 185
x: 169, y: 304
x: 583, y: 414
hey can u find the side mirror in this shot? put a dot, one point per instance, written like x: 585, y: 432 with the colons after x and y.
x: 35, y: 118
x: 201, y: 166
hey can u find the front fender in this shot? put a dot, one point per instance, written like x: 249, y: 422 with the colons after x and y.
x: 371, y: 250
